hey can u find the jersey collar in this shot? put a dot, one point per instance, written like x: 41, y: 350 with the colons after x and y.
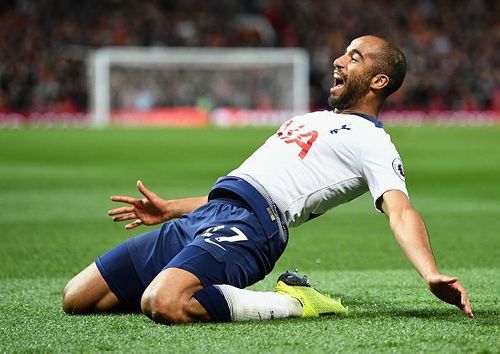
x: 375, y: 121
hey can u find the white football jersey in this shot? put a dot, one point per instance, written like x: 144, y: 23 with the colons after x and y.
x: 320, y: 160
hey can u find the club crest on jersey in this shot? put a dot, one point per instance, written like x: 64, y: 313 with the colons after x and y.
x: 343, y: 127
x: 397, y: 166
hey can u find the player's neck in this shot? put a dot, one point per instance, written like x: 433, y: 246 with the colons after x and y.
x: 365, y: 106
x: 353, y: 110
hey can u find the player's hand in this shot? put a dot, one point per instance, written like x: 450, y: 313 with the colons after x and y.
x: 150, y: 210
x: 449, y: 290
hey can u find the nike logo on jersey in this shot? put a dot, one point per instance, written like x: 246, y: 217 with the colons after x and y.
x: 343, y: 127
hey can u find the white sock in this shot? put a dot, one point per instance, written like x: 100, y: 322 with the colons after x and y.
x: 246, y: 305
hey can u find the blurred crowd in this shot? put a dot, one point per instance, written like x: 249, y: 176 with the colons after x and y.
x: 142, y: 88
x: 453, y: 47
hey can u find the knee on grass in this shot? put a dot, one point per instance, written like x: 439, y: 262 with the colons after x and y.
x: 78, y: 300
x: 71, y: 300
x: 164, y: 309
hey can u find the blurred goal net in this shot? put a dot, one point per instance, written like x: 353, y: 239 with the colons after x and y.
x: 192, y: 86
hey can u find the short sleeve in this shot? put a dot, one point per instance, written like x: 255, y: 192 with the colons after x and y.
x: 382, y: 168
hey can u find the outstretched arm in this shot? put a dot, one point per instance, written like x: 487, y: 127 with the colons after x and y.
x: 411, y: 235
x: 152, y: 209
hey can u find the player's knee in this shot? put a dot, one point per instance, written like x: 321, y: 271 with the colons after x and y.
x: 164, y: 309
x: 70, y: 299
x: 75, y: 301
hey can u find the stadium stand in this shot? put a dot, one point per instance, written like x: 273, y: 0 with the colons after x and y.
x: 453, y: 50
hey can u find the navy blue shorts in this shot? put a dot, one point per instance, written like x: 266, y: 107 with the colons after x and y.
x: 222, y: 242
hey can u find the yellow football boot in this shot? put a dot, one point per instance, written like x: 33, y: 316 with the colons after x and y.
x: 315, y: 304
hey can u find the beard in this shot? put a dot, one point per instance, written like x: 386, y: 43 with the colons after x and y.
x: 355, y: 88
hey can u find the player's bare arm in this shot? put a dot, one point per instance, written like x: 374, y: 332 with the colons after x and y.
x: 152, y: 209
x: 410, y: 233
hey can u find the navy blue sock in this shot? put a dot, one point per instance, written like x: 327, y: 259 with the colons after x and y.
x: 215, y: 303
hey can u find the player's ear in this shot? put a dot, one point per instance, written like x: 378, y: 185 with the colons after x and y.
x: 379, y: 81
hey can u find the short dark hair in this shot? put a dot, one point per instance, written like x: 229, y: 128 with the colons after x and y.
x: 391, y: 61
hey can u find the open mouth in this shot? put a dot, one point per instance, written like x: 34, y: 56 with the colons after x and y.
x: 338, y: 80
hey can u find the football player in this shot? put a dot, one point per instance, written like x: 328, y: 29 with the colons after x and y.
x: 196, y: 265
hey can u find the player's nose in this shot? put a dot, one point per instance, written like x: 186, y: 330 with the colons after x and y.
x: 339, y: 62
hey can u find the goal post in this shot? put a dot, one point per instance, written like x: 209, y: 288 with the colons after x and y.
x: 130, y: 81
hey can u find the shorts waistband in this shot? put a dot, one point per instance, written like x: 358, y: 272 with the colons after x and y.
x: 237, y: 188
x: 234, y: 200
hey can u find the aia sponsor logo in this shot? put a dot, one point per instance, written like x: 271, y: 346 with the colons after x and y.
x: 292, y: 133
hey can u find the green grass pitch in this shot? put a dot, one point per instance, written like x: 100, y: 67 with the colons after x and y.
x: 55, y: 186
